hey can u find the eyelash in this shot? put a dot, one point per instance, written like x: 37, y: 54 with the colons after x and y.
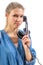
x: 15, y: 15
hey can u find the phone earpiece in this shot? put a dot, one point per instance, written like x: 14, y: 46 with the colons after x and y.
x: 20, y: 34
x: 24, y: 18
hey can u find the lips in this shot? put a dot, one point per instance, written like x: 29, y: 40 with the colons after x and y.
x: 18, y: 23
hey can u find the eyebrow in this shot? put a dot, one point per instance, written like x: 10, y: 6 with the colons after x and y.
x: 16, y: 15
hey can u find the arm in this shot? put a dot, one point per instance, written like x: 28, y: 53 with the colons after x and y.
x: 33, y: 53
x: 29, y: 51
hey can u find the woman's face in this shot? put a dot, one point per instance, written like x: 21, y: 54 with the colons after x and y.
x: 15, y: 17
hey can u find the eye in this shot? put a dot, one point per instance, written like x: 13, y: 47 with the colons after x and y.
x: 21, y: 16
x: 15, y: 15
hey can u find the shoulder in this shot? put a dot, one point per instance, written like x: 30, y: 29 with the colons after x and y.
x: 0, y: 33
x: 0, y: 36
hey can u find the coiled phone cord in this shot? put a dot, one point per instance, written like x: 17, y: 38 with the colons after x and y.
x: 38, y: 61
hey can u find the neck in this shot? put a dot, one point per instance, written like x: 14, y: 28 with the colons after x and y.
x: 10, y: 29
x: 12, y: 33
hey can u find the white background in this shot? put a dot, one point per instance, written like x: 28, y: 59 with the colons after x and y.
x: 34, y: 13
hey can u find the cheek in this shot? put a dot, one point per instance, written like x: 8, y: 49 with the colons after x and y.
x: 12, y: 20
x: 20, y: 22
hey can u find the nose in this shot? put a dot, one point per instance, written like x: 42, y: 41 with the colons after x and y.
x: 18, y: 18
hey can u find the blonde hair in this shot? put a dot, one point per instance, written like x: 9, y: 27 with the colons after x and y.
x: 12, y: 6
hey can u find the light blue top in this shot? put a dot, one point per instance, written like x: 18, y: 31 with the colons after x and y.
x: 10, y: 55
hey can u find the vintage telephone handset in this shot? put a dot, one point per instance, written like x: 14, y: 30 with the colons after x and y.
x: 21, y: 33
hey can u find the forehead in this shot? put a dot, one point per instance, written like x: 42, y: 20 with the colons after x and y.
x: 17, y: 11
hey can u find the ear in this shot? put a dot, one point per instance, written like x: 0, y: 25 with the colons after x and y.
x: 6, y: 14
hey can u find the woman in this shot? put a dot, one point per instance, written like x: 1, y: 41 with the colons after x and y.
x: 13, y: 50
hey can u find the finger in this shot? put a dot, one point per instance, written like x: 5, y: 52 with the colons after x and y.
x: 26, y: 40
x: 25, y: 36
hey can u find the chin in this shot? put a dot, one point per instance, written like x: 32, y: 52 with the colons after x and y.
x: 17, y: 26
